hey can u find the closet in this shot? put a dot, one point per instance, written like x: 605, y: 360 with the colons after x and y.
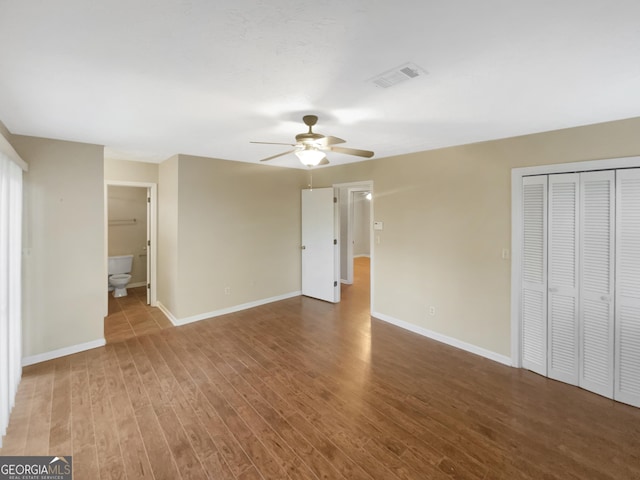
x: 580, y: 280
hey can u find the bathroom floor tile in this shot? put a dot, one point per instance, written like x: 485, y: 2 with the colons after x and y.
x: 146, y: 328
x: 161, y: 320
x: 119, y: 332
x: 139, y: 317
x: 131, y: 317
x: 115, y: 318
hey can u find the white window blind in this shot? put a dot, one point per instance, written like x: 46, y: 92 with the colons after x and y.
x: 10, y: 285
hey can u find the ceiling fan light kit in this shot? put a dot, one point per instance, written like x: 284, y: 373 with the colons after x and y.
x: 310, y: 156
x: 310, y: 146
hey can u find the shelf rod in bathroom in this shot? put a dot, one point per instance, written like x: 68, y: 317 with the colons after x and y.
x: 124, y: 221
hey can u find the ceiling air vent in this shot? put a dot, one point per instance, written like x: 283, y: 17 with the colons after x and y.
x: 397, y: 75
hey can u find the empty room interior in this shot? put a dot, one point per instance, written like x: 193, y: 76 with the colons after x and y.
x: 329, y: 240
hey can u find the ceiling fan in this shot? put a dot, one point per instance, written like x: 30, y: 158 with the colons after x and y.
x: 310, y: 146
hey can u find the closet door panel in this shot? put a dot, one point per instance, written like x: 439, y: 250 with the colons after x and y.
x: 627, y: 316
x: 563, y: 359
x: 596, y: 260
x: 534, y: 274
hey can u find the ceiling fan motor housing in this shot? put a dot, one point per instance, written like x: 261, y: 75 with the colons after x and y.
x: 308, y: 138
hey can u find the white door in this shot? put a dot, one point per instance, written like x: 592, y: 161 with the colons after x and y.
x: 534, y: 274
x: 319, y: 245
x: 627, y: 337
x: 563, y: 358
x: 596, y: 259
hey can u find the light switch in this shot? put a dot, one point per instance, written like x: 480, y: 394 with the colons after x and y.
x: 377, y: 225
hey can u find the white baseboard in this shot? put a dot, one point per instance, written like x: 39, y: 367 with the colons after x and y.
x: 137, y: 284
x: 63, y: 352
x: 167, y: 313
x: 454, y: 342
x: 362, y: 255
x: 224, y: 311
x: 345, y: 282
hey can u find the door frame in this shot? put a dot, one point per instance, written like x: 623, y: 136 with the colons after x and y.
x: 364, y: 186
x: 517, y: 175
x: 152, y: 192
x: 350, y: 234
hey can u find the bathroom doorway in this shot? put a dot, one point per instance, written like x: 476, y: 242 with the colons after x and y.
x: 130, y: 218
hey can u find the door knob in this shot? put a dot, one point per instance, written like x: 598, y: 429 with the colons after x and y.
x: 303, y: 247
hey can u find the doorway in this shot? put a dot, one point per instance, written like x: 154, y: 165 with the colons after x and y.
x: 130, y: 229
x: 355, y: 201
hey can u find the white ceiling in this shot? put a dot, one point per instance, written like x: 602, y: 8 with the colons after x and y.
x: 151, y: 78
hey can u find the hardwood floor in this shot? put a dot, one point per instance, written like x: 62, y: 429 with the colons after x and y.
x: 303, y: 389
x: 130, y: 316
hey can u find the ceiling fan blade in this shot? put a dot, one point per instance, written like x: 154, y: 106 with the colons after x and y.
x: 352, y: 151
x: 278, y: 155
x: 275, y: 143
x: 327, y: 141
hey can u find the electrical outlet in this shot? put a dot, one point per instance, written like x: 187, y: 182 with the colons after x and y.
x: 505, y: 254
x: 227, y: 290
x: 432, y: 311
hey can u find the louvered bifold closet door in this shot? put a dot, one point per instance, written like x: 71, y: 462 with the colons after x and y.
x: 596, y: 260
x: 627, y: 337
x: 534, y: 274
x: 563, y: 351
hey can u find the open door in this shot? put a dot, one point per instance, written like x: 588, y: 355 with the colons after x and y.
x: 320, y: 272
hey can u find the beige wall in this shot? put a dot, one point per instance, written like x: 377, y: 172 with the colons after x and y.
x: 130, y: 171
x: 447, y: 217
x: 127, y: 227
x: 238, y: 227
x: 167, y: 273
x: 361, y: 224
x: 64, y: 276
x: 226, y: 224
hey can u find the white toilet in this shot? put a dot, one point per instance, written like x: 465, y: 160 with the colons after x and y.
x: 119, y: 270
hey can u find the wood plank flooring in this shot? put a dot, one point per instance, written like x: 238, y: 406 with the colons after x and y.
x: 302, y: 389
